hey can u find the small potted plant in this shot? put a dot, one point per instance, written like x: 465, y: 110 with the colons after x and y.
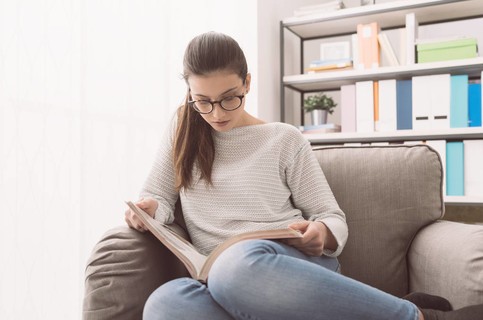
x: 319, y: 105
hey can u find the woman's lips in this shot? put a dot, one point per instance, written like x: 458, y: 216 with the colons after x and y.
x: 221, y: 123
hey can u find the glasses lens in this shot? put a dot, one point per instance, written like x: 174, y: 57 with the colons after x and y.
x: 202, y: 106
x: 231, y: 103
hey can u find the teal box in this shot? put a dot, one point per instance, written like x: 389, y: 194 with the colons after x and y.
x: 447, y: 50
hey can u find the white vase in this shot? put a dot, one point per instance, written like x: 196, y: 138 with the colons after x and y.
x: 318, y: 117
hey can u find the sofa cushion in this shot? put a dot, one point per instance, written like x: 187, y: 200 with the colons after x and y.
x: 125, y: 267
x: 446, y: 259
x: 388, y: 194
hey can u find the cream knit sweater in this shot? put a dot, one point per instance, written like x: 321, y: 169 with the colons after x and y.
x: 264, y: 176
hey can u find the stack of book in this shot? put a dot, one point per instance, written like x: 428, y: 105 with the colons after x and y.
x: 324, y: 65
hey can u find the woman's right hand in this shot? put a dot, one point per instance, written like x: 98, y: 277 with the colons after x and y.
x: 147, y: 204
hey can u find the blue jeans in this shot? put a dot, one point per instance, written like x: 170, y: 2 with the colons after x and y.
x: 261, y: 279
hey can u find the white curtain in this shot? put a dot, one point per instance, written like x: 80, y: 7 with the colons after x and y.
x: 86, y: 89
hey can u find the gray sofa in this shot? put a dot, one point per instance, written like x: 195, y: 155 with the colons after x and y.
x: 392, y: 197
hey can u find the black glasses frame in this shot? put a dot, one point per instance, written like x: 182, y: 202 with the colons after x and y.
x: 219, y: 102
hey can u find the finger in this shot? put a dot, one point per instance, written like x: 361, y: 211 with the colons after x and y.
x: 140, y: 201
x: 300, y: 226
x: 140, y: 227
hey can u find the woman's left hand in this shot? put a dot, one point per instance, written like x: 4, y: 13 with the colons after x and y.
x: 315, y: 236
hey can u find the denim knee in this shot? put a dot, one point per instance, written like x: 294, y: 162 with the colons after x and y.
x: 162, y: 299
x: 237, y: 268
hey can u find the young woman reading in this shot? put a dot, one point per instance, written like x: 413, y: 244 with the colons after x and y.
x: 236, y: 173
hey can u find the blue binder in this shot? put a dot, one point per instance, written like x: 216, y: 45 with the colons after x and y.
x: 474, y: 105
x: 404, y: 104
x: 459, y: 102
x: 455, y: 169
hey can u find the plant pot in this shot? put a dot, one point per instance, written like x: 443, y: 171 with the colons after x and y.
x: 318, y: 117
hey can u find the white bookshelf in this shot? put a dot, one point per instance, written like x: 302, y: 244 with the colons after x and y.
x: 335, y: 79
x: 389, y: 15
x: 395, y: 136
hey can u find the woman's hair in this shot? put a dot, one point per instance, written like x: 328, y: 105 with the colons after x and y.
x: 193, y: 141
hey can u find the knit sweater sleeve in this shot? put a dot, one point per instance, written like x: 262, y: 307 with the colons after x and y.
x: 312, y: 195
x: 160, y: 183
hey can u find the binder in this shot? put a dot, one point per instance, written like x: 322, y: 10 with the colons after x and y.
x: 387, y: 49
x: 473, y: 153
x: 365, y: 106
x: 431, y: 102
x: 387, y: 105
x: 440, y: 91
x: 455, y: 168
x: 404, y: 104
x: 369, y: 55
x: 348, y: 108
x: 459, y: 101
x: 375, y: 95
x: 412, y: 26
x: 474, y: 105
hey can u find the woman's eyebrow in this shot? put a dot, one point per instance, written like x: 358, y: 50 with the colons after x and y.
x: 225, y: 92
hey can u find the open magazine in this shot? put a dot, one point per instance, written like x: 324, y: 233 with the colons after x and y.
x: 197, y: 264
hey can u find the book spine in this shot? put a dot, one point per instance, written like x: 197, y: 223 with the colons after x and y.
x: 375, y: 96
x: 411, y: 37
x: 369, y: 55
x: 431, y: 102
x: 459, y: 101
x: 404, y: 104
x: 348, y: 108
x: 387, y: 49
x: 474, y: 105
x: 402, y: 46
x: 455, y: 168
x: 365, y: 106
x: 387, y: 105
x: 473, y: 170
x: 440, y: 94
x: 421, y: 102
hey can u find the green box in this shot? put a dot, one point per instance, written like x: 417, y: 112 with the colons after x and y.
x: 447, y: 50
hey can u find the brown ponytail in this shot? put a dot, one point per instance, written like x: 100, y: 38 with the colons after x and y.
x: 193, y: 142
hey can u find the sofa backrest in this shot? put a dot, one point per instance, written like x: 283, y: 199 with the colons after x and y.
x: 388, y: 194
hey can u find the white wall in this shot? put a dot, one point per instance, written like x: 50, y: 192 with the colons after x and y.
x: 86, y: 89
x: 270, y: 13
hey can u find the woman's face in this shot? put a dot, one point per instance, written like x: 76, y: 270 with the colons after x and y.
x: 217, y: 86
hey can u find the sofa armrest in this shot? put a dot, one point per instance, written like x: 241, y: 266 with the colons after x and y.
x: 388, y: 194
x: 446, y: 259
x: 125, y: 267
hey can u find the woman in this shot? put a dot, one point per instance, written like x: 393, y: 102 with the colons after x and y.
x: 235, y: 173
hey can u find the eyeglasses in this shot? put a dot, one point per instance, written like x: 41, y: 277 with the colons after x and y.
x: 206, y: 106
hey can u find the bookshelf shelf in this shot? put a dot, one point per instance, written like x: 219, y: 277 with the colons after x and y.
x: 395, y: 136
x: 335, y: 79
x: 463, y: 200
x: 388, y: 15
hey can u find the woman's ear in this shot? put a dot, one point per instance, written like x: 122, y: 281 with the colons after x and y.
x: 248, y: 79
